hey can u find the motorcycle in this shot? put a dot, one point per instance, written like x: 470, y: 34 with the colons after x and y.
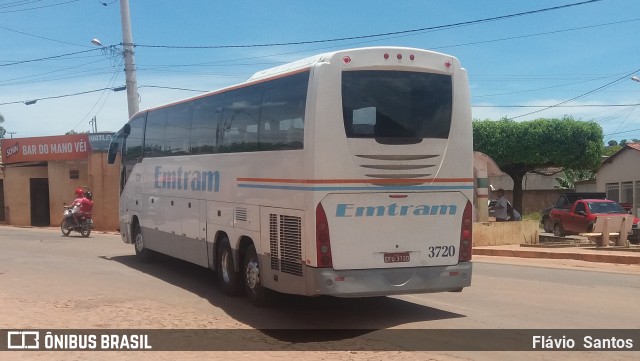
x: 83, y: 225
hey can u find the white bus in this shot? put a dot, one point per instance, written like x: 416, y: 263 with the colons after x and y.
x: 347, y: 174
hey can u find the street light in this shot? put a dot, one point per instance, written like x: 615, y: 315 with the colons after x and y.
x: 635, y: 78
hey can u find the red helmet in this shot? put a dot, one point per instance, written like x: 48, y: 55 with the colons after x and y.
x: 79, y: 192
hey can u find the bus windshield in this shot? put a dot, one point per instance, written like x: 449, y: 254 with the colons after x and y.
x: 396, y: 104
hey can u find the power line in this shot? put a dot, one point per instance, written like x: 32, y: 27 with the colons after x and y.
x: 440, y: 27
x: 38, y: 7
x: 49, y: 57
x: 33, y: 101
x: 74, y: 67
x: 431, y: 28
x: 173, y: 88
x: 556, y: 106
x: 537, y: 34
x: 626, y: 131
x: 626, y: 76
x: 18, y: 3
x: 42, y: 37
x: 104, y: 94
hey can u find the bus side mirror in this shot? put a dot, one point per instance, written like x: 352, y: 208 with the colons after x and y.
x: 113, y: 150
x: 126, y: 129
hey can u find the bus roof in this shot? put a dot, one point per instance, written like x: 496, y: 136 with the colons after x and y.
x: 326, y: 57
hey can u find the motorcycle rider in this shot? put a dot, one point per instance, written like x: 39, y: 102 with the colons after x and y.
x: 86, y: 206
x: 75, y: 204
x: 82, y: 205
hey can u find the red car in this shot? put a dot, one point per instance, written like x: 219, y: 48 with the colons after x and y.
x: 582, y: 215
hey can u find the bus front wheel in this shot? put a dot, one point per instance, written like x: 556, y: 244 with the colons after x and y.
x: 228, y: 276
x: 143, y: 254
x: 258, y: 295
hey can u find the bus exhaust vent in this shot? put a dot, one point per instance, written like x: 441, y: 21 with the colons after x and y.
x: 241, y: 214
x: 387, y: 167
x: 285, y: 238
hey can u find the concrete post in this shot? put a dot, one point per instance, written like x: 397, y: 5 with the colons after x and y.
x: 129, y: 65
x: 482, y: 192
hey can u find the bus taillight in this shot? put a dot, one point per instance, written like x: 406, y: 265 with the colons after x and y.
x: 323, y: 242
x: 466, y: 232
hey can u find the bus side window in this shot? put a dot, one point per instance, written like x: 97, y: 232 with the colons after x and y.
x: 178, y: 130
x: 240, y: 120
x: 283, y: 103
x: 205, y: 125
x: 154, y: 140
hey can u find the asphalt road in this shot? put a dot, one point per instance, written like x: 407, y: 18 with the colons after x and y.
x: 49, y: 281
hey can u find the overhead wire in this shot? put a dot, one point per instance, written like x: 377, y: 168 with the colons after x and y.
x: 430, y: 28
x: 41, y: 37
x: 466, y: 23
x: 39, y: 7
x: 58, y: 96
x: 18, y: 3
x: 49, y: 57
x: 104, y: 91
x: 626, y: 76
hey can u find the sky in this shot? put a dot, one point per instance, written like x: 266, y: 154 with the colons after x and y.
x: 525, y: 59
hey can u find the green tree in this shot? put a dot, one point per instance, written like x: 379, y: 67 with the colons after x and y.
x: 609, y: 151
x: 522, y: 147
x: 571, y: 176
x: 2, y: 130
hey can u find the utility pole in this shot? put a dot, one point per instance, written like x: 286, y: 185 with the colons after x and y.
x: 129, y: 65
x: 94, y: 124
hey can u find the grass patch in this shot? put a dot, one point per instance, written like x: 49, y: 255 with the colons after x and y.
x: 532, y: 216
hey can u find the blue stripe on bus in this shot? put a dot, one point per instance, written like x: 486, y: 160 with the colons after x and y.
x: 381, y: 188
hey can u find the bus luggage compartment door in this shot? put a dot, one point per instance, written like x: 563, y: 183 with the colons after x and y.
x: 392, y: 230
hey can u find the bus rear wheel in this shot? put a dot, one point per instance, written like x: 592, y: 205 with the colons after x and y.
x: 258, y: 295
x: 228, y: 276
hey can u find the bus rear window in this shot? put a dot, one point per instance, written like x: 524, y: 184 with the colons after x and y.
x: 396, y: 106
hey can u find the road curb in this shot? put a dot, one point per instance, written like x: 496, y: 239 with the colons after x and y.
x: 589, y: 257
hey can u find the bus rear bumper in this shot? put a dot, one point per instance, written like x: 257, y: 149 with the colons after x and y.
x: 392, y: 281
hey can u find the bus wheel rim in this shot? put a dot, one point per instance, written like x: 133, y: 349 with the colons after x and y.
x: 225, y: 267
x: 139, y: 243
x: 253, y: 274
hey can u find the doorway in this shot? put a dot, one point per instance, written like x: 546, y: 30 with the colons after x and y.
x: 39, y: 191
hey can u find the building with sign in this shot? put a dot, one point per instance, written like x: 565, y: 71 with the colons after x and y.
x: 39, y: 175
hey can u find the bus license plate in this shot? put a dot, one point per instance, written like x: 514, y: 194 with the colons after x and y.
x: 397, y: 257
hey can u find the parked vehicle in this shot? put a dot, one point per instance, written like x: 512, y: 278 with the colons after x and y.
x: 565, y: 201
x: 582, y: 215
x: 83, y: 224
